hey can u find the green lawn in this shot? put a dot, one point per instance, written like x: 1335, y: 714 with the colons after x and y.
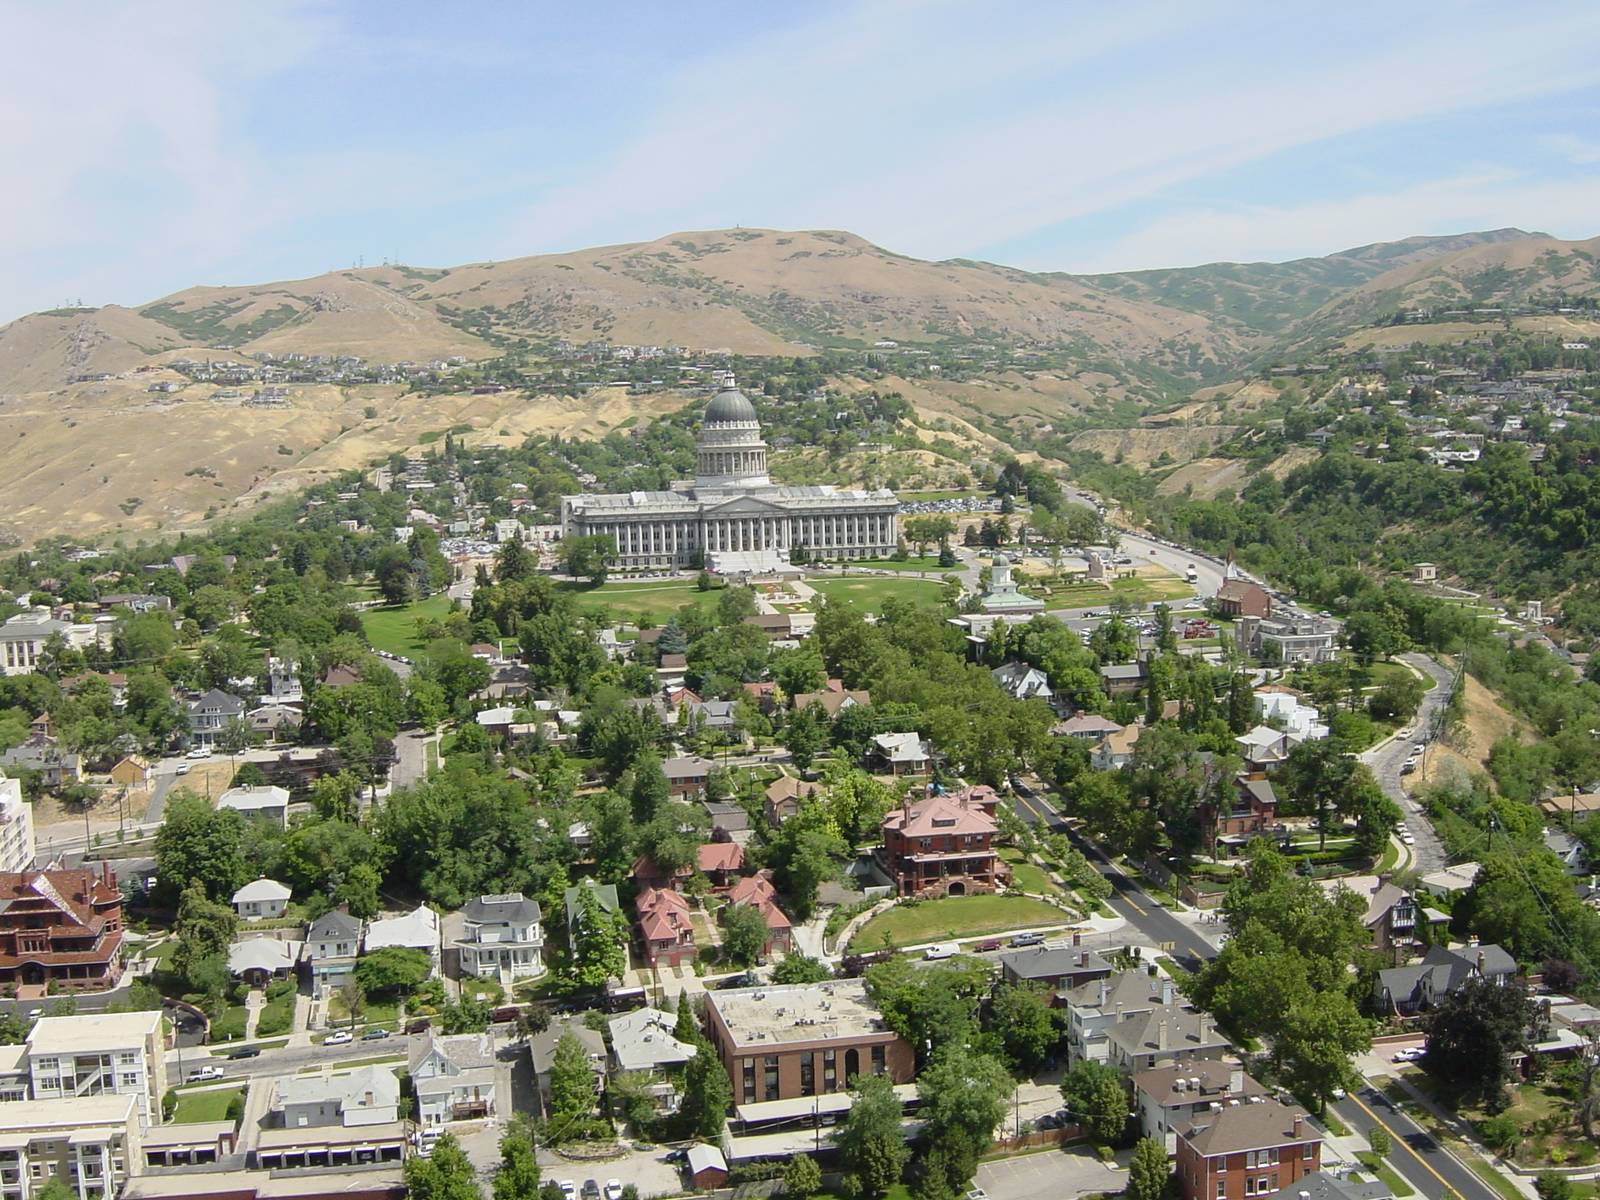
x: 229, y: 1027
x: 657, y: 600
x: 194, y: 1107
x: 955, y: 917
x: 870, y: 591
x: 1376, y: 1166
x: 1139, y: 590
x: 1028, y: 876
x: 394, y: 627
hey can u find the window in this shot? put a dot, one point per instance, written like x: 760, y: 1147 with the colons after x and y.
x: 808, y: 1075
x: 1308, y: 1151
x: 1272, y: 1156
x: 749, y: 1080
x: 1222, y: 1189
x: 879, y: 1060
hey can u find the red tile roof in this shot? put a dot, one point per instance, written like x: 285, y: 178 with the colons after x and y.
x: 663, y: 915
x: 720, y: 856
x: 941, y: 815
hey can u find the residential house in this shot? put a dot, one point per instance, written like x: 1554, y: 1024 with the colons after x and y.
x: 1420, y: 986
x: 757, y: 892
x: 783, y: 1042
x: 642, y: 1043
x: 1394, y: 918
x: 258, y: 959
x: 720, y: 862
x: 833, y: 700
x: 60, y: 929
x: 1241, y: 598
x: 942, y: 845
x: 367, y: 1095
x: 605, y: 896
x: 665, y: 930
x: 1295, y: 640
x: 1253, y: 1149
x: 273, y: 719
x: 1263, y: 747
x: 1059, y: 967
x: 1568, y: 849
x: 1086, y: 726
x: 900, y: 753
x: 454, y: 1078
x: 97, y: 1054
x: 1168, y: 1098
x: 266, y: 801
x: 116, y: 683
x: 1163, y: 1036
x: 18, y: 848
x: 209, y: 714
x: 542, y: 1050
x: 1116, y: 749
x: 415, y: 930
x: 1252, y: 812
x: 339, y: 675
x: 1284, y: 708
x: 43, y: 755
x: 1122, y: 679
x: 503, y: 938
x: 687, y: 775
x: 262, y: 900
x: 707, y: 1168
x: 729, y: 822
x: 1022, y: 681
x: 1449, y: 881
x: 130, y: 771
x: 784, y: 795
x: 717, y: 716
x: 332, y: 943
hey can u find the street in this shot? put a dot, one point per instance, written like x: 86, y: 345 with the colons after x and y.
x: 1387, y: 759
x: 1128, y: 900
x: 1416, y: 1155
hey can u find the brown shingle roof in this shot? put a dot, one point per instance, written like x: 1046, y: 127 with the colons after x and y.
x: 1259, y: 1126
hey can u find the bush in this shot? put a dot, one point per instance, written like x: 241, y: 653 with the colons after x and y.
x: 802, y: 1178
x: 1500, y: 1133
x: 280, y: 988
x: 169, y: 1105
x: 235, y: 1107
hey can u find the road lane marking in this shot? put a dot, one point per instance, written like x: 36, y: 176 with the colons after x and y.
x: 1398, y: 1138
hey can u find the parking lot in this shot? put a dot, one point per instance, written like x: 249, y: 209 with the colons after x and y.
x: 1049, y: 1175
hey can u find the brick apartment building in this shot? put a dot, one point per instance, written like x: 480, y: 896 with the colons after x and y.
x: 1246, y: 1149
x: 779, y: 1043
x: 944, y: 845
x: 60, y: 927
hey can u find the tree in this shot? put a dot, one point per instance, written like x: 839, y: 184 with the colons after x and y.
x: 802, y: 1178
x: 395, y: 970
x: 686, y: 1029
x: 589, y: 556
x: 706, y: 1093
x: 1147, y: 1171
x: 572, y: 1086
x: 514, y: 562
x: 201, y: 844
x: 446, y: 1174
x: 871, y: 1142
x: 1471, y: 1037
x: 963, y: 1094
x: 806, y: 733
x: 599, y: 949
x: 1095, y: 1099
x: 800, y: 968
x: 1553, y: 1186
x: 1378, y: 1140
x: 744, y: 933
x: 204, y: 931
x: 1020, y: 1016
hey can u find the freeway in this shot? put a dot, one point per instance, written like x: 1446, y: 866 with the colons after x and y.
x: 1129, y: 901
x: 1387, y: 759
x: 1437, y: 1173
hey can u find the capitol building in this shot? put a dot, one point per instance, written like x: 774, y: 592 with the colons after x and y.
x: 732, y: 511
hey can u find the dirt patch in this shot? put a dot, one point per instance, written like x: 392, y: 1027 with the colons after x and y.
x: 1143, y: 447
x: 1487, y: 721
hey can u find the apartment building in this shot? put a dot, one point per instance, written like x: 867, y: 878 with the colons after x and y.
x: 781, y: 1042
x: 90, y: 1144
x: 17, y: 847
x: 97, y: 1054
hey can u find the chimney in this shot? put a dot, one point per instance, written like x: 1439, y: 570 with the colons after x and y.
x: 1480, y: 962
x: 1083, y: 958
x: 1236, y: 1080
x: 1161, y: 1034
x: 1077, y: 937
x: 1166, y: 990
x: 1105, y: 994
x: 1119, y: 1013
x: 1299, y: 1123
x: 1205, y: 1029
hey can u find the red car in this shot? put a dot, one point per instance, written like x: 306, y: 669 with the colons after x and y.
x: 990, y: 944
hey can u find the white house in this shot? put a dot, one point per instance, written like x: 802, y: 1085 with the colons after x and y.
x: 365, y: 1096
x: 332, y: 943
x: 415, y: 930
x: 504, y: 939
x: 262, y: 899
x: 1302, y: 722
x: 267, y: 801
x: 454, y: 1078
x: 642, y: 1042
x: 1022, y: 681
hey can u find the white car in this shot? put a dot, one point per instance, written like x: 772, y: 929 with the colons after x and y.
x: 199, y: 752
x: 1409, y: 1054
x: 569, y: 1189
x: 939, y: 952
x: 184, y: 768
x: 200, y: 1073
x: 613, y: 1189
x: 337, y: 1038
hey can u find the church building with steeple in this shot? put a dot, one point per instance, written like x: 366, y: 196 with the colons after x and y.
x: 732, y: 512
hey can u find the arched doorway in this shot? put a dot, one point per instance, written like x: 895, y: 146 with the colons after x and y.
x: 32, y: 973
x: 852, y: 1065
x: 955, y: 888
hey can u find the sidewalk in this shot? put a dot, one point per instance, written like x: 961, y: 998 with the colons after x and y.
x: 1463, y: 1132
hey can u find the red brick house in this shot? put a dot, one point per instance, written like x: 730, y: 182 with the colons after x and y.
x: 61, y: 928
x: 757, y: 891
x: 1252, y: 813
x: 687, y: 775
x: 1239, y: 1152
x: 664, y: 927
x: 1237, y: 598
x: 721, y: 862
x: 943, y: 845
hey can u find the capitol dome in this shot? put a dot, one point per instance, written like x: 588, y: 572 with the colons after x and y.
x: 730, y: 407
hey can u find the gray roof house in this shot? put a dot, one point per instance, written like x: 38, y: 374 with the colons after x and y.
x: 209, y: 714
x: 642, y: 1043
x: 542, y: 1050
x: 1164, y: 1035
x: 1063, y: 966
x: 332, y: 943
x: 604, y: 893
x: 1422, y: 985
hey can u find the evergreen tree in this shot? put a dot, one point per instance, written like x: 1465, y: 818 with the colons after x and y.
x: 872, y: 1144
x: 706, y: 1094
x: 446, y: 1174
x: 1147, y: 1171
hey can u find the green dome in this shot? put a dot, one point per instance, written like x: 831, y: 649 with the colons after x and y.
x: 730, y: 407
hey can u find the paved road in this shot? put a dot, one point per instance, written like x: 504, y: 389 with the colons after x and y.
x: 1128, y: 900
x: 285, y: 1061
x: 1386, y: 761
x: 1437, y: 1173
x: 411, y: 758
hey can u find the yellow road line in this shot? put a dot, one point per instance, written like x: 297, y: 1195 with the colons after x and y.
x: 1416, y: 1154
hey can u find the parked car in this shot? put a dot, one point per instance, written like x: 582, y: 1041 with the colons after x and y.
x: 199, y: 752
x: 1409, y: 1054
x: 613, y: 1189
x: 184, y: 768
x: 338, y: 1038
x: 374, y: 1035
x: 200, y: 1073
x: 987, y: 944
x: 1028, y: 939
x: 591, y: 1189
x: 246, y: 1052
x: 941, y: 951
x: 420, y: 1025
x: 569, y: 1189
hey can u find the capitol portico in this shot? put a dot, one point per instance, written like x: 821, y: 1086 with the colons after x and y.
x: 732, y: 511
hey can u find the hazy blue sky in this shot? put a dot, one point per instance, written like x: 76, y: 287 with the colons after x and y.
x: 145, y: 147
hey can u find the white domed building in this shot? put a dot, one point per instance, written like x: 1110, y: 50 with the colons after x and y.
x: 732, y: 511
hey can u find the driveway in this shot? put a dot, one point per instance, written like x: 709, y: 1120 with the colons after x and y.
x: 1049, y: 1175
x: 1386, y: 760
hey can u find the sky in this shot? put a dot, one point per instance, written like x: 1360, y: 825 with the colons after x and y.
x: 147, y: 148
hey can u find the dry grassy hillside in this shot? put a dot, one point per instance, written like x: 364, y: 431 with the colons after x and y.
x: 44, y: 350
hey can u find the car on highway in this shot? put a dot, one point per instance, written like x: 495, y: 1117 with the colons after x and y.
x: 202, y: 1073
x: 184, y: 768
x: 938, y: 952
x: 339, y: 1037
x: 1409, y: 1054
